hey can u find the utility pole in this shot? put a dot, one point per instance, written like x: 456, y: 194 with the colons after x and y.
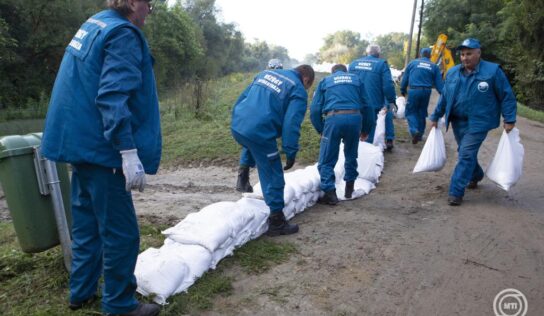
x: 419, y: 29
x: 410, y: 36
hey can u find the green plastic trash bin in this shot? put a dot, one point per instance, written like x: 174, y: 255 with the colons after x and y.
x: 32, y: 213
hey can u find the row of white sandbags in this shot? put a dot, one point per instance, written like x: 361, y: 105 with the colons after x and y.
x: 197, y: 244
x: 202, y: 239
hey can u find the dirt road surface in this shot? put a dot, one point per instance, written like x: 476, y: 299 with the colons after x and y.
x: 399, y: 251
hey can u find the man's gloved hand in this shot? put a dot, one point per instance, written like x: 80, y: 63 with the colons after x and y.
x: 133, y: 170
x: 289, y: 164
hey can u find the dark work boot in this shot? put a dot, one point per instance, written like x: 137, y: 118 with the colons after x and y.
x: 278, y: 225
x: 472, y: 185
x: 349, y: 189
x: 455, y: 200
x: 78, y: 305
x: 329, y: 198
x: 389, y: 145
x: 142, y: 310
x: 242, y: 185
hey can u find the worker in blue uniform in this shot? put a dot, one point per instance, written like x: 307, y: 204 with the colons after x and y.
x: 103, y: 119
x: 246, y: 160
x: 375, y: 74
x: 273, y: 106
x: 337, y: 112
x: 421, y: 75
x: 475, y: 94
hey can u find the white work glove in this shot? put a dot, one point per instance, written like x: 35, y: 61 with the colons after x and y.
x: 133, y: 170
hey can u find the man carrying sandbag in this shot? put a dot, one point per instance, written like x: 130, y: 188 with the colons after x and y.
x: 273, y: 106
x: 475, y: 94
x: 337, y: 110
x: 421, y: 75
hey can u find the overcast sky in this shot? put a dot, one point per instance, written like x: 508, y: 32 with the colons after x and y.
x: 301, y: 25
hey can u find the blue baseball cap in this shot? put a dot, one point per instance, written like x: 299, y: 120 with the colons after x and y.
x: 425, y: 52
x: 469, y: 43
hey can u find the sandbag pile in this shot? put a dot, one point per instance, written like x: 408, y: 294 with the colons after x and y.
x: 202, y: 239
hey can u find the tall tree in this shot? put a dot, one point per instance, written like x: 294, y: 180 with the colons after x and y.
x: 342, y: 47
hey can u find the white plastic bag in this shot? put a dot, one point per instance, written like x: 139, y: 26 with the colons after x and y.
x: 506, y: 167
x: 401, y: 105
x: 433, y: 155
x: 379, y: 133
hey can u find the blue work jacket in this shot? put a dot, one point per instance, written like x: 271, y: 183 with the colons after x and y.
x: 422, y: 73
x: 104, y: 99
x: 272, y: 106
x: 375, y: 74
x: 340, y: 91
x: 490, y: 95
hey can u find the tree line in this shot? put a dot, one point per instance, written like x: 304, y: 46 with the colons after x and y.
x: 190, y: 44
x: 187, y: 40
x: 510, y: 32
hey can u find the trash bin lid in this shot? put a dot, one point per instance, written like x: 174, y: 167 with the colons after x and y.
x: 17, y: 145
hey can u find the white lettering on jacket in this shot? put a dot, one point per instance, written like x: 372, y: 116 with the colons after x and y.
x: 271, y: 81
x: 424, y: 65
x: 364, y: 66
x: 342, y: 79
x: 81, y: 34
x: 75, y: 44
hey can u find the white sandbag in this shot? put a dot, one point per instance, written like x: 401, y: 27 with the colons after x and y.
x: 507, y: 165
x: 197, y: 258
x: 313, y: 174
x: 210, y: 227
x: 433, y: 155
x: 442, y: 123
x: 300, y: 205
x: 260, y: 213
x: 289, y: 192
x: 360, y: 187
x: 370, y: 162
x: 379, y: 133
x: 289, y: 210
x: 222, y: 252
x: 365, y: 185
x: 159, y: 274
x: 401, y: 104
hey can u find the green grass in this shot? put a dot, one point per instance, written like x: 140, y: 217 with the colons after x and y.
x: 204, y: 136
x: 531, y: 114
x: 37, y: 284
x: 21, y: 127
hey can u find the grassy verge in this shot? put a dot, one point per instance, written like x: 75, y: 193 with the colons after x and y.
x: 203, y: 135
x: 37, y: 284
x: 531, y: 114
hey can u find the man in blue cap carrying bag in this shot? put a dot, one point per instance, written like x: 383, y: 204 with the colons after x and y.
x: 475, y: 94
x: 421, y: 75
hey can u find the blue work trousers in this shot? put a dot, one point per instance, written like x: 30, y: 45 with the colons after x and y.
x: 105, y: 238
x: 345, y: 127
x: 416, y: 110
x: 246, y: 159
x: 268, y: 161
x: 467, y: 168
x: 389, y: 127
